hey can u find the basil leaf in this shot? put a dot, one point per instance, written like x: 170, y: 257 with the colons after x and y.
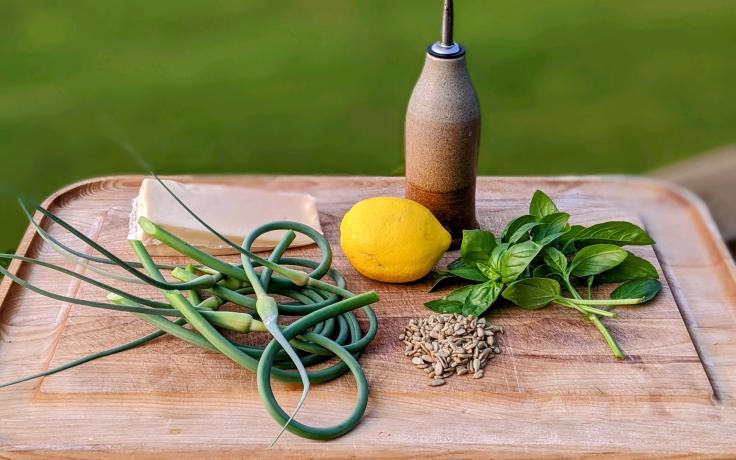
x: 488, y: 271
x: 522, y: 233
x: 460, y: 294
x: 440, y: 279
x: 555, y: 259
x: 495, y: 261
x: 551, y: 224
x: 477, y: 246
x: 614, y: 232
x: 549, y: 239
x: 469, y: 273
x: 445, y: 306
x: 516, y: 259
x: 595, y: 259
x: 481, y: 297
x: 459, y: 268
x: 514, y: 226
x: 632, y: 268
x: 533, y: 293
x: 459, y: 262
x: 543, y: 271
x: 567, y: 241
x: 542, y: 205
x: 644, y: 290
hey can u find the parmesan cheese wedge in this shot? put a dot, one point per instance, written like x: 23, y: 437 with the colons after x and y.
x: 233, y: 211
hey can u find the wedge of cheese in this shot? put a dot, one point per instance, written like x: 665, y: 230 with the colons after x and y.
x: 233, y: 211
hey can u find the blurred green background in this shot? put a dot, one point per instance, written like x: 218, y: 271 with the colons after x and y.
x: 320, y: 87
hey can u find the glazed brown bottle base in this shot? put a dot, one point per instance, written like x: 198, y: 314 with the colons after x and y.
x: 455, y: 210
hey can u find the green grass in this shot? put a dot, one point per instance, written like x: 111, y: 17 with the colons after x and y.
x: 567, y: 86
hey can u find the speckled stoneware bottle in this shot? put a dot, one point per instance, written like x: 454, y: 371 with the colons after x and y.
x: 443, y: 135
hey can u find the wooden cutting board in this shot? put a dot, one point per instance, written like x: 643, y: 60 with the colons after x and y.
x: 555, y: 390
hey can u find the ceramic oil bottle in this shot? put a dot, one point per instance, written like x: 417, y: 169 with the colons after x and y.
x: 442, y: 135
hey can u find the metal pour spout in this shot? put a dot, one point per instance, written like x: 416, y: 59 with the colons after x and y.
x: 447, y: 23
x: 446, y: 47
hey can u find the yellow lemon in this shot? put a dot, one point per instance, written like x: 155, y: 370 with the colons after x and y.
x: 391, y: 239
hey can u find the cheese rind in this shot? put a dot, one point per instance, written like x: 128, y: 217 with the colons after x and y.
x: 233, y: 211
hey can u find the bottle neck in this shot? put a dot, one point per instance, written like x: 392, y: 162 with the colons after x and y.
x: 455, y: 50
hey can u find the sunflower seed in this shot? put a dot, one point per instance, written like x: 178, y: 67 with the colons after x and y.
x: 447, y: 345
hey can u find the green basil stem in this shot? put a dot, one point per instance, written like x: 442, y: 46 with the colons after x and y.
x: 599, y: 312
x: 606, y: 335
x: 597, y: 322
x: 584, y: 309
x: 606, y: 301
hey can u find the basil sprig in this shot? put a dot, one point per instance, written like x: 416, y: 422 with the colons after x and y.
x: 538, y: 255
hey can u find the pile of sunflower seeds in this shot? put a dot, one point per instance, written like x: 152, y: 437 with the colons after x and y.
x: 446, y: 345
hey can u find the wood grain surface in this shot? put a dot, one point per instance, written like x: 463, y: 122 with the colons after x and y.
x: 554, y: 391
